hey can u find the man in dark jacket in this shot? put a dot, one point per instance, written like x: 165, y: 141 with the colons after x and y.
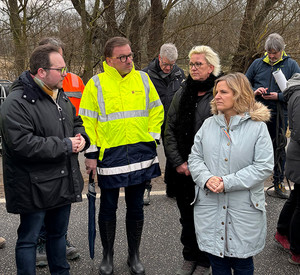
x: 267, y: 91
x: 41, y: 139
x: 166, y: 77
x: 73, y: 87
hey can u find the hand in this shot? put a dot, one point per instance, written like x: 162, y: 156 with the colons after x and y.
x: 260, y: 91
x: 215, y: 184
x: 82, y: 143
x: 75, y: 143
x: 91, y: 165
x: 270, y: 96
x: 183, y: 169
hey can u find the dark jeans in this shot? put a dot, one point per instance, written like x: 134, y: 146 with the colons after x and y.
x: 134, y: 202
x: 289, y: 219
x: 223, y: 266
x: 278, y: 146
x: 185, y: 193
x: 56, y: 222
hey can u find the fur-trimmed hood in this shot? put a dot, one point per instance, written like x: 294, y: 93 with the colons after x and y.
x: 259, y: 112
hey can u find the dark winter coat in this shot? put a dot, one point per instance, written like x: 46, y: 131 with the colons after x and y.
x: 185, y: 117
x: 292, y: 96
x: 165, y: 87
x: 39, y: 169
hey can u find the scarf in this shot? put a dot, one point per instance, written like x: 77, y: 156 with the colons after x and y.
x: 45, y: 88
x: 186, y: 112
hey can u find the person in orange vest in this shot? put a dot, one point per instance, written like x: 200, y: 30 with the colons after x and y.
x: 73, y: 87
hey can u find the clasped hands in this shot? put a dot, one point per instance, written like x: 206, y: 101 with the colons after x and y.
x: 78, y: 143
x: 215, y: 184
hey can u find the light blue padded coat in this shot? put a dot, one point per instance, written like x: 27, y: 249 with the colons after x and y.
x: 232, y: 223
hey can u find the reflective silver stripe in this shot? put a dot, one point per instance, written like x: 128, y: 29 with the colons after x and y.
x: 146, y: 86
x: 88, y: 113
x: 74, y: 94
x: 91, y: 149
x: 127, y: 168
x: 99, y: 95
x: 155, y: 103
x: 155, y: 135
x: 126, y: 114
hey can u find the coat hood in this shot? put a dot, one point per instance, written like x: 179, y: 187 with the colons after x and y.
x: 259, y: 112
x: 292, y: 86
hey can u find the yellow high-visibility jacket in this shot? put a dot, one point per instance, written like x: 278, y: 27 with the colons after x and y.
x: 122, y: 117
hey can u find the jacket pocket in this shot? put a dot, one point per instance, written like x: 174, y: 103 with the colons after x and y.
x: 258, y: 200
x: 50, y: 188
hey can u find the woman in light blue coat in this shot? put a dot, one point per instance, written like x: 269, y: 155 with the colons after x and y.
x: 231, y: 158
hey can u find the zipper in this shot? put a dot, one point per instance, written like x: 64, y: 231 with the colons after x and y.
x: 60, y: 112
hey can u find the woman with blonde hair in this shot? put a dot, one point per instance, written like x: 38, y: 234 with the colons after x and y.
x: 231, y: 158
x: 189, y: 108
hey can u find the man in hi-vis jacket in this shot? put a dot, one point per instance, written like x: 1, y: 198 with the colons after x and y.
x: 122, y: 114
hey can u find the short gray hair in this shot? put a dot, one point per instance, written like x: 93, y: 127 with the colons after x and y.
x: 211, y: 57
x: 274, y: 42
x: 55, y: 41
x: 169, y: 51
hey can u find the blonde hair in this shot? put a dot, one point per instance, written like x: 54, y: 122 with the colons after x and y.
x: 244, y: 99
x: 211, y: 57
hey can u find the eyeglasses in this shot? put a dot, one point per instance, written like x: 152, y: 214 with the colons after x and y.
x: 163, y: 64
x: 197, y: 65
x: 123, y: 58
x: 62, y: 71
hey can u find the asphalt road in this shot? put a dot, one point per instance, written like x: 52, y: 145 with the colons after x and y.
x: 160, y: 246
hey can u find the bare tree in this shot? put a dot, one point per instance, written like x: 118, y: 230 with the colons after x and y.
x: 158, y: 15
x: 18, y: 24
x: 251, y: 34
x: 22, y: 14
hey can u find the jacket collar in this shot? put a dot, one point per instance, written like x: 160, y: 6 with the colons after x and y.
x: 31, y: 91
x: 112, y: 72
x: 234, y: 120
x: 267, y: 60
x: 154, y: 69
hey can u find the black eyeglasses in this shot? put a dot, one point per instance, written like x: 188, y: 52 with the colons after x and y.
x: 196, y: 64
x: 62, y: 71
x: 167, y: 65
x: 123, y: 58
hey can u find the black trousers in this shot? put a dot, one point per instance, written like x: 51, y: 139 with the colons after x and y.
x: 185, y: 193
x: 289, y: 219
x: 279, y: 149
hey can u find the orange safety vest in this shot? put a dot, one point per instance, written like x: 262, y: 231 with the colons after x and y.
x: 73, y: 87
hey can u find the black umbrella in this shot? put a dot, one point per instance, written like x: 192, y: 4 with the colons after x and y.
x: 91, y: 195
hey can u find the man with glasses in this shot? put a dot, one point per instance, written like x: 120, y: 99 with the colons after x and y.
x: 73, y: 85
x: 167, y: 78
x: 42, y: 137
x: 73, y: 88
x: 267, y: 91
x: 122, y: 114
